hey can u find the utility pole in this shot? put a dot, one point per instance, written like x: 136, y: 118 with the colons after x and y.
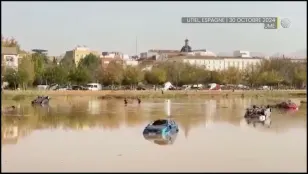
x: 136, y: 45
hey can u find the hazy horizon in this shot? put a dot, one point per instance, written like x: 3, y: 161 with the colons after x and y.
x: 114, y: 26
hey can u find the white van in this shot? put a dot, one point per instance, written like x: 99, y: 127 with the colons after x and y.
x: 94, y: 86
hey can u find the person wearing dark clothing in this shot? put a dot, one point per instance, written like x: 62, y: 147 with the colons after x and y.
x: 139, y: 101
x: 125, y: 101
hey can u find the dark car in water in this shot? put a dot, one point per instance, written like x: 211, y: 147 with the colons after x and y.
x: 161, y: 127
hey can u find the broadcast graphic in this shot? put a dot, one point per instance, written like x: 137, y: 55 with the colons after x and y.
x: 268, y: 22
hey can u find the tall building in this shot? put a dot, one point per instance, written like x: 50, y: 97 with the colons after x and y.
x: 79, y: 53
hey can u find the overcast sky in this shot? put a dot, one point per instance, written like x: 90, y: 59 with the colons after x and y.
x: 114, y: 26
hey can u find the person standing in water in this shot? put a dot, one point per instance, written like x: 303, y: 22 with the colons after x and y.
x: 139, y: 100
x: 125, y: 101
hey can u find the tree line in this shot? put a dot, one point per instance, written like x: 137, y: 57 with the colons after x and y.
x: 36, y: 69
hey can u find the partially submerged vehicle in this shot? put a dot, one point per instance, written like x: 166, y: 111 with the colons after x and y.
x: 167, y: 139
x: 161, y: 127
x: 256, y: 114
x: 287, y: 105
x: 42, y: 100
x: 8, y: 110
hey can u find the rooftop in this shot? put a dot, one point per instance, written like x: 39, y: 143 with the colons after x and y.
x: 212, y: 57
x: 39, y: 50
x: 164, y: 51
x: 9, y: 50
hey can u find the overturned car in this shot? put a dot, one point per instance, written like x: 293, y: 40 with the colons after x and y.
x: 41, y: 100
x: 256, y: 115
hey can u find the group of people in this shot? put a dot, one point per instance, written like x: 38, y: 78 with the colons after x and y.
x: 256, y: 111
x: 126, y: 102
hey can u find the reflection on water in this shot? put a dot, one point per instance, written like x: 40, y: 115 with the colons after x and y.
x: 100, y: 136
x: 168, y: 139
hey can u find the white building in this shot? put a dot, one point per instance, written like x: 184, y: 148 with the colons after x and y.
x: 299, y: 60
x: 11, y: 61
x: 202, y: 53
x: 150, y: 54
x: 129, y: 62
x: 114, y: 55
x: 9, y: 57
x: 158, y: 54
x: 218, y: 63
x: 241, y: 53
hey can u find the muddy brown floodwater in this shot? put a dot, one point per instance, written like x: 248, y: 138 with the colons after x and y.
x: 106, y: 136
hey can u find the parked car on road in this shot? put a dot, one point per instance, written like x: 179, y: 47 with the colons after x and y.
x: 94, y: 86
x: 78, y: 87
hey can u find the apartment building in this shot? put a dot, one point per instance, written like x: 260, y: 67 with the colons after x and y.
x: 79, y: 53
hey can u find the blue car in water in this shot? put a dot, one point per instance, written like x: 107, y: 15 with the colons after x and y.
x: 161, y: 127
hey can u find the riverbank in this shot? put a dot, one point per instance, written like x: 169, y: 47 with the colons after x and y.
x: 121, y: 94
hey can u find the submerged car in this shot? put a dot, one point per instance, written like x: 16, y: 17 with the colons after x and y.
x: 161, y: 127
x: 159, y: 139
x: 258, y: 115
x: 42, y: 100
x: 287, y: 105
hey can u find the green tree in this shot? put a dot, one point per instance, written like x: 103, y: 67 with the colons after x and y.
x: 113, y: 74
x: 300, y: 75
x: 188, y: 75
x: 270, y: 78
x: 216, y: 77
x: 284, y: 67
x: 79, y: 76
x: 132, y: 75
x: 68, y: 63
x: 92, y: 64
x: 156, y: 76
x: 90, y: 61
x: 11, y: 42
x: 40, y: 63
x: 26, y: 72
x: 232, y: 76
x: 174, y: 71
x: 251, y: 75
x: 56, y: 74
x: 54, y: 61
x: 11, y: 76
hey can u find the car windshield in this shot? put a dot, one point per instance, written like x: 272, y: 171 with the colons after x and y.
x: 92, y: 86
x: 159, y: 122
